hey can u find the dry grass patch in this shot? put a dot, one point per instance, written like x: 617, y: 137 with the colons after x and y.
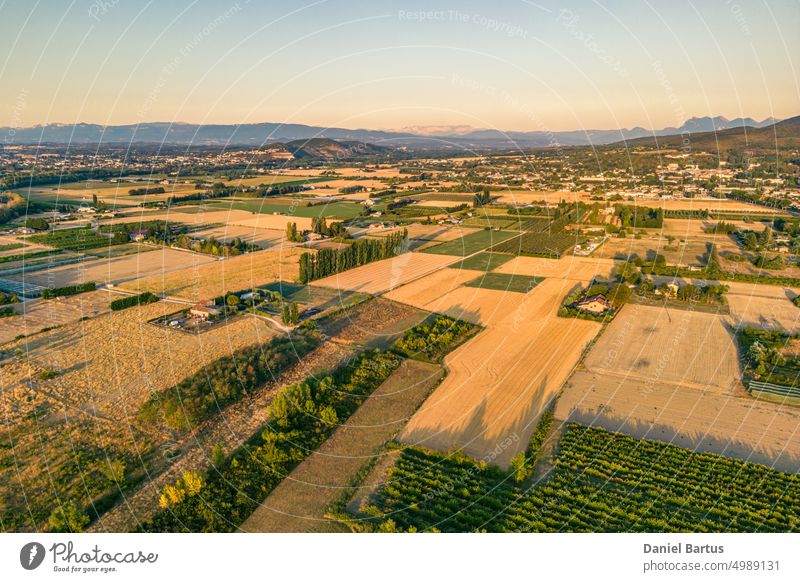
x: 62, y: 426
x: 38, y: 314
x: 216, y: 278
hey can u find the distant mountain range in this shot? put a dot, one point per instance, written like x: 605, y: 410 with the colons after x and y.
x: 783, y: 134
x: 418, y: 137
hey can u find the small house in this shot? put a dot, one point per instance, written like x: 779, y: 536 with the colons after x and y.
x: 596, y: 305
x: 204, y: 312
x: 138, y: 235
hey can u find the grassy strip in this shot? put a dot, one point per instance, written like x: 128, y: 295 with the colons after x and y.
x: 505, y: 282
x: 26, y: 256
x: 302, y: 417
x: 78, y: 239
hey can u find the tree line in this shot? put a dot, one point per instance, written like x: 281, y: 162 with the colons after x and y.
x: 360, y: 252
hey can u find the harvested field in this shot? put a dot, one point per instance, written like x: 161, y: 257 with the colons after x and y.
x: 382, y: 276
x: 291, y: 209
x: 113, y: 194
x: 217, y: 278
x: 651, y: 344
x: 679, y: 381
x: 37, y: 314
x: 752, y: 306
x: 550, y: 197
x: 299, y: 503
x: 442, y: 203
x: 500, y: 381
x: 691, y: 252
x: 271, y: 221
x: 690, y: 228
x: 426, y: 291
x: 264, y: 238
x: 269, y: 180
x: 569, y: 267
x: 119, y: 269
x: 213, y: 215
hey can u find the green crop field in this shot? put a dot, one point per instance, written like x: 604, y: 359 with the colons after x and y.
x: 471, y: 243
x: 539, y: 244
x: 503, y: 221
x: 78, y: 239
x: 484, y: 262
x: 602, y: 482
x: 504, y: 282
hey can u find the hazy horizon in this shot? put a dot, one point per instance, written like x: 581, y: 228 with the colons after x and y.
x: 386, y: 66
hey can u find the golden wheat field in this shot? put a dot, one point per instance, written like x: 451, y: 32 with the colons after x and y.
x: 501, y: 380
x: 568, y: 267
x: 382, y: 276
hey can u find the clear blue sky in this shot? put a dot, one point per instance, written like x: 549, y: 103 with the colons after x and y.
x: 510, y: 65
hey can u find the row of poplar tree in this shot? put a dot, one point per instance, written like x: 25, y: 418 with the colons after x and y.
x: 360, y: 252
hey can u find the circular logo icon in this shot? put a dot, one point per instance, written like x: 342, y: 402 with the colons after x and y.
x: 31, y: 555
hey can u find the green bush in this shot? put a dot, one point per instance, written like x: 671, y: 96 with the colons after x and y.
x: 53, y: 292
x: 133, y: 300
x: 224, y: 381
x: 431, y: 340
